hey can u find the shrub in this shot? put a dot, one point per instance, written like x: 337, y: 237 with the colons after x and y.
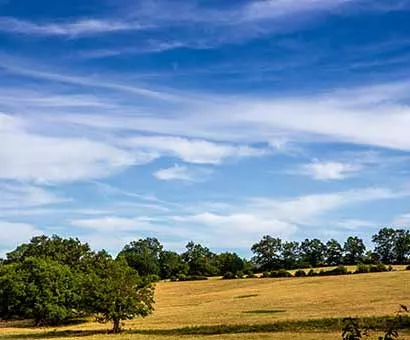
x: 154, y: 278
x: 362, y: 268
x: 311, y: 273
x: 239, y: 275
x: 378, y: 268
x: 280, y: 273
x: 228, y: 276
x: 300, y: 273
x: 181, y: 277
x: 248, y: 272
x: 265, y: 274
x: 339, y: 270
x: 250, y: 276
x: 196, y: 278
x: 173, y: 278
x: 408, y: 267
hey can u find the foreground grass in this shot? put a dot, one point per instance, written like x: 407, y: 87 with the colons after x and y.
x: 291, y: 308
x: 308, y: 328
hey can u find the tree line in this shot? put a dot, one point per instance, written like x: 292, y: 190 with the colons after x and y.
x: 52, y: 280
x: 391, y: 246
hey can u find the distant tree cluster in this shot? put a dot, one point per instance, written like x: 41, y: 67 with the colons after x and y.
x: 392, y: 246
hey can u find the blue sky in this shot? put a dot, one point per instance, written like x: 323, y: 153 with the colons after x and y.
x: 203, y: 120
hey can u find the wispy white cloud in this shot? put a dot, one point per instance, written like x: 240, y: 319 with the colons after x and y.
x: 229, y: 24
x: 359, y: 115
x: 324, y: 171
x: 76, y: 28
x: 12, y: 234
x: 355, y: 224
x: 109, y: 224
x: 254, y: 217
x: 401, y: 220
x: 193, y: 150
x: 34, y: 157
x: 19, y: 67
x: 24, y: 196
x: 182, y: 173
x: 271, y: 9
x: 113, y: 232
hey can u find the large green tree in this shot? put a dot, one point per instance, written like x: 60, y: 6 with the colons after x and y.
x: 354, y: 250
x: 200, y: 260
x: 229, y: 262
x: 64, y: 251
x: 12, y: 291
x: 143, y: 255
x: 290, y: 254
x: 392, y: 246
x: 40, y: 289
x: 334, y: 253
x: 171, y: 265
x: 114, y: 291
x: 268, y: 253
x: 313, y: 252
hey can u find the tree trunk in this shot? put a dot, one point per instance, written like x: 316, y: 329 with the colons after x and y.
x: 116, y: 329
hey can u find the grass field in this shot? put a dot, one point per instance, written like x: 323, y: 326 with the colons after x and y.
x: 289, y: 308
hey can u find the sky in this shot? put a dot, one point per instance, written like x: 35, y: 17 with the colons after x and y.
x: 204, y: 120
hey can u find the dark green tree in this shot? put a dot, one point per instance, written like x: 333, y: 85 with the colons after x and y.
x: 313, y: 252
x: 334, y: 253
x: 402, y: 246
x: 268, y: 252
x: 385, y: 241
x: 40, y: 289
x: 64, y: 251
x: 200, y: 260
x: 171, y: 265
x: 12, y: 291
x: 290, y: 255
x: 229, y: 262
x: 354, y: 250
x: 115, y: 292
x: 143, y: 255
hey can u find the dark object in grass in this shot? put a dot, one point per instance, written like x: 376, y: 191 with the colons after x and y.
x: 265, y: 311
x: 246, y: 296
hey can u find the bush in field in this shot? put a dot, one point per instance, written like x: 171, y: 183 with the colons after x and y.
x: 378, y: 268
x: 362, y: 269
x: 300, y: 273
x: 408, y: 267
x: 265, y: 275
x: 339, y: 270
x: 239, y: 274
x: 280, y: 273
x: 229, y: 276
x: 311, y: 272
x: 248, y: 272
x: 192, y: 278
x: 251, y: 276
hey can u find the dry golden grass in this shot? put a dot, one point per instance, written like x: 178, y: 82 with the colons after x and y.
x: 219, y: 301
x: 224, y: 302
